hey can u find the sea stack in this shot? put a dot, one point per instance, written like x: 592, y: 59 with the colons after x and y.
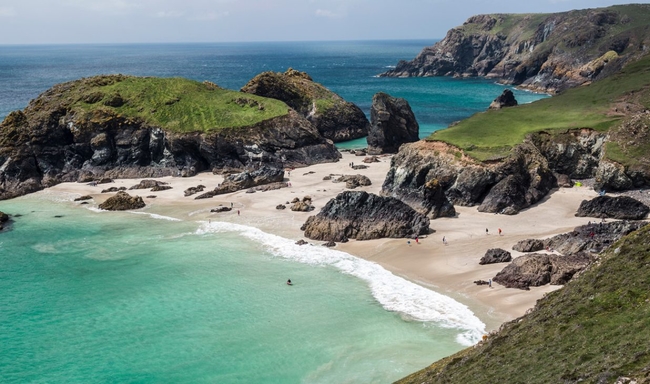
x: 505, y: 99
x: 392, y: 123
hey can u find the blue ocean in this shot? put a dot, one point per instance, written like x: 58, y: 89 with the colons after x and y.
x: 94, y: 297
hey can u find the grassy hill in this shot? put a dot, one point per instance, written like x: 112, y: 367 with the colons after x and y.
x: 175, y: 104
x: 594, y: 330
x: 600, y: 106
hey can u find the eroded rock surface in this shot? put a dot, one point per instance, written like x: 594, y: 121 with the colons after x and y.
x: 609, y: 207
x: 122, y: 201
x: 392, y: 123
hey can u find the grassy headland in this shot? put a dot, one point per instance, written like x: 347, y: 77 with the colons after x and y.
x: 493, y: 133
x: 174, y: 104
x: 594, y: 330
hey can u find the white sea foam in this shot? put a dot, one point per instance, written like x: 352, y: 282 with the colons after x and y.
x: 155, y: 216
x: 392, y: 292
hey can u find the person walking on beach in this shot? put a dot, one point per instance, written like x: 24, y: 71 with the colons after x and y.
x: 486, y: 231
x: 238, y: 212
x: 444, y: 240
x: 417, y: 240
x: 499, y: 231
x: 490, y: 283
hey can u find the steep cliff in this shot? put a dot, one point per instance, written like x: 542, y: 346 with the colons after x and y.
x: 543, y: 52
x: 335, y: 118
x: 392, y: 124
x: 123, y: 126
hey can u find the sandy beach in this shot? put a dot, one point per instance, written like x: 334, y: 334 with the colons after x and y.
x: 448, y: 269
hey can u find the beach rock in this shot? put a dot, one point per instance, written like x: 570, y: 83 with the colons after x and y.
x: 147, y: 184
x: 358, y: 167
x: 593, y: 238
x: 302, y: 206
x: 529, y: 245
x: 122, y: 201
x: 327, y: 178
x: 563, y: 181
x: 481, y: 282
x: 161, y: 188
x: 364, y: 216
x: 3, y: 217
x: 265, y: 174
x: 354, y: 181
x: 540, y: 269
x: 329, y: 244
x: 496, y: 255
x: 193, y: 190
x: 333, y: 117
x: 280, y: 206
x: 301, y: 242
x: 620, y: 207
x: 270, y: 186
x: 371, y: 159
x: 392, y: 123
x: 105, y: 180
x: 151, y: 196
x: 113, y: 189
x: 504, y: 100
x: 221, y: 209
x: 82, y: 198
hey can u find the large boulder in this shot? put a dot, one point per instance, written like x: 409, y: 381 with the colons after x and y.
x: 504, y: 100
x: 354, y: 181
x: 528, y: 245
x: 335, y: 118
x: 540, y: 269
x: 148, y: 184
x: 593, y: 238
x: 495, y: 255
x: 247, y: 179
x: 3, y: 217
x: 122, y: 201
x: 364, y: 216
x: 392, y: 123
x: 620, y: 207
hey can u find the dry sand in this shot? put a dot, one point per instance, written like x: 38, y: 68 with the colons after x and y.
x: 448, y: 269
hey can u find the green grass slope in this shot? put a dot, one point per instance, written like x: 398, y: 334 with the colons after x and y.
x: 174, y: 104
x: 594, y: 330
x: 493, y: 133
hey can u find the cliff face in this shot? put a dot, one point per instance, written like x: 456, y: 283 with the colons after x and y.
x: 335, y: 118
x: 543, y: 52
x: 54, y: 141
x: 392, y: 124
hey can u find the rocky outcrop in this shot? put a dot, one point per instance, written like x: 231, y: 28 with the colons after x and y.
x: 244, y: 180
x: 620, y: 207
x: 364, y: 216
x: 193, y: 190
x: 541, y: 269
x: 528, y: 245
x: 354, y: 181
x: 593, y: 238
x: 122, y: 201
x: 429, y: 175
x: 392, y: 123
x: 54, y: 141
x: 504, y: 100
x: 548, y: 53
x: 83, y: 198
x: 335, y: 118
x: 3, y: 219
x: 495, y: 255
x: 148, y: 184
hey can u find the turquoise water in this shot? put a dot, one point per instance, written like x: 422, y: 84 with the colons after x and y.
x: 94, y: 297
x: 117, y: 297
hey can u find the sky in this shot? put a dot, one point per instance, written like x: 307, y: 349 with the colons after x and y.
x: 169, y: 21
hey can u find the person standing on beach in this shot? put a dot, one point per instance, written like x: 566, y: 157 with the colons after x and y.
x: 499, y: 231
x: 490, y: 283
x: 417, y: 240
x: 238, y: 212
x: 486, y: 231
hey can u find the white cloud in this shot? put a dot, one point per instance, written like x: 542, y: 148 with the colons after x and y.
x: 169, y: 14
x: 7, y: 12
x: 209, y: 16
x: 329, y: 14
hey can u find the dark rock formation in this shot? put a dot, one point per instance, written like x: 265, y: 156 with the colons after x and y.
x: 49, y: 142
x: 392, y: 123
x: 302, y: 206
x: 161, y: 188
x: 495, y: 255
x: 113, y: 189
x: 427, y: 174
x: 301, y: 242
x: 504, y: 100
x: 549, y: 53
x: 148, y: 184
x: 481, y: 282
x: 221, y: 209
x: 280, y: 206
x: 593, y: 238
x: 329, y: 244
x: 122, y: 201
x: 193, y: 190
x: 529, y: 245
x: 620, y: 207
x: 332, y: 116
x: 82, y: 198
x: 3, y: 217
x: 364, y: 216
x: 353, y: 181
x: 244, y: 180
x: 541, y: 269
x: 371, y: 159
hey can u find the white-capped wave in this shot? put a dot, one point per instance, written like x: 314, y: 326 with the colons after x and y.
x: 389, y: 66
x: 392, y: 292
x: 155, y: 216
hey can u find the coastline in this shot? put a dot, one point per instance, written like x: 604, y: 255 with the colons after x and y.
x: 447, y: 269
